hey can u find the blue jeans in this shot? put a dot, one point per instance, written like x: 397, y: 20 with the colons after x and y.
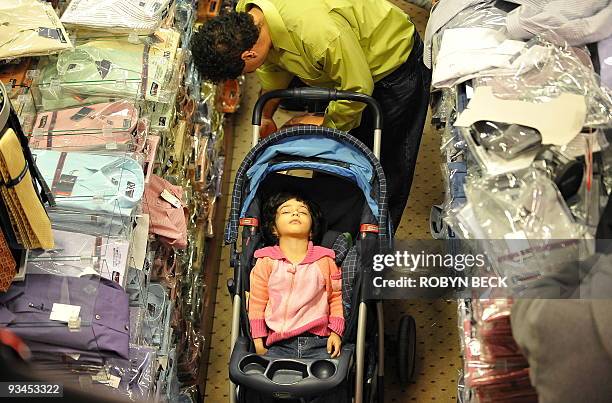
x: 300, y: 347
x: 404, y: 97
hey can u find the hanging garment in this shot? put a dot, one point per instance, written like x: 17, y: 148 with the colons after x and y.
x: 165, y: 206
x: 111, y: 184
x: 30, y: 28
x: 26, y: 308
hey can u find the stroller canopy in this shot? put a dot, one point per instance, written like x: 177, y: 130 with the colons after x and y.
x: 314, y: 148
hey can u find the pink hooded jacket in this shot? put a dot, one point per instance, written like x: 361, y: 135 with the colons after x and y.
x: 287, y: 300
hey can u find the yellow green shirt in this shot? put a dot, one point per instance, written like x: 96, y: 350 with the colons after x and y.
x: 343, y: 44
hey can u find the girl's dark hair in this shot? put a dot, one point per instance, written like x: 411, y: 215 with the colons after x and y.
x: 271, y: 206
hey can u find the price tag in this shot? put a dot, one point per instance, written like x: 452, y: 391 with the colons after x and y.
x: 74, y: 324
x: 64, y: 312
x: 170, y: 198
x: 32, y: 74
x: 113, y: 381
x: 133, y: 38
x: 54, y: 83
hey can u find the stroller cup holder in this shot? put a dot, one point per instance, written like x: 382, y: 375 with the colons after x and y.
x: 289, y: 377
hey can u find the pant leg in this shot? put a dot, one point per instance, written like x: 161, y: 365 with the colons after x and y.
x: 283, y: 349
x: 313, y: 347
x: 316, y: 347
x: 404, y: 98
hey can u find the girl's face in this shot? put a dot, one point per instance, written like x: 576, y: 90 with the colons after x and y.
x: 293, y: 219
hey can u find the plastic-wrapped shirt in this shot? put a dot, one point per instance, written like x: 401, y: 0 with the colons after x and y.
x: 111, y: 184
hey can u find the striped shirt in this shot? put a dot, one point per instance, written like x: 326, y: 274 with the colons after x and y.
x: 140, y: 16
x: 577, y: 22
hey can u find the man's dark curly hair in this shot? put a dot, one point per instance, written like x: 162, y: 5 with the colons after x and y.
x: 271, y: 206
x: 217, y: 46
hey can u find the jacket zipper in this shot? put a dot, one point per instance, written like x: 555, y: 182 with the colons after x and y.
x: 287, y: 302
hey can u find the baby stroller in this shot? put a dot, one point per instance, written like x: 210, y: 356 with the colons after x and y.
x: 349, y: 185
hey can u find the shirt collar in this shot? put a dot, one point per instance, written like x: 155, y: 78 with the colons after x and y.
x: 281, y: 38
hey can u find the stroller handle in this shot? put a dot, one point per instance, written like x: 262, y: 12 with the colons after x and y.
x: 319, y: 94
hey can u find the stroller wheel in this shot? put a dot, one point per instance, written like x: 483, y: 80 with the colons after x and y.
x: 406, y: 349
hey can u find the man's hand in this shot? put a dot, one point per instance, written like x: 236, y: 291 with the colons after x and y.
x: 334, y: 343
x: 267, y: 127
x: 259, y: 346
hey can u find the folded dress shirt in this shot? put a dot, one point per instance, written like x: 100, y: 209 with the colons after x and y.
x: 441, y: 14
x: 111, y: 184
x: 87, y: 127
x: 26, y: 309
x: 143, y: 16
x: 30, y: 28
x: 111, y: 67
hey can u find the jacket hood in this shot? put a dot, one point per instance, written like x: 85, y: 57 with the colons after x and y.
x: 314, y: 253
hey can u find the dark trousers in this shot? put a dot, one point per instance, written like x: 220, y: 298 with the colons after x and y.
x: 404, y: 97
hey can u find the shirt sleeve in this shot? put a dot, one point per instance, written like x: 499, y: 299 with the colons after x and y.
x: 334, y: 297
x: 258, y: 299
x: 273, y: 77
x: 346, y: 64
x: 576, y: 23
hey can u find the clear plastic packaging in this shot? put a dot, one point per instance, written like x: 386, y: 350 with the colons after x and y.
x: 106, y: 126
x: 111, y: 183
x: 521, y: 222
x: 561, y: 71
x: 101, y: 68
x: 93, y: 223
x: 480, y: 15
x: 156, y: 327
x: 165, y: 205
x: 491, y: 163
x: 526, y: 202
x: 506, y: 140
x: 184, y: 17
x: 203, y: 159
x: 58, y: 316
x: 17, y: 76
x: 132, y: 379
x: 76, y: 254
x: 143, y: 16
x: 30, y: 28
x: 150, y: 152
x: 494, y: 368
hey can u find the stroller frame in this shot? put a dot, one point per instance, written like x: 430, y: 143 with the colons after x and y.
x: 235, y: 284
